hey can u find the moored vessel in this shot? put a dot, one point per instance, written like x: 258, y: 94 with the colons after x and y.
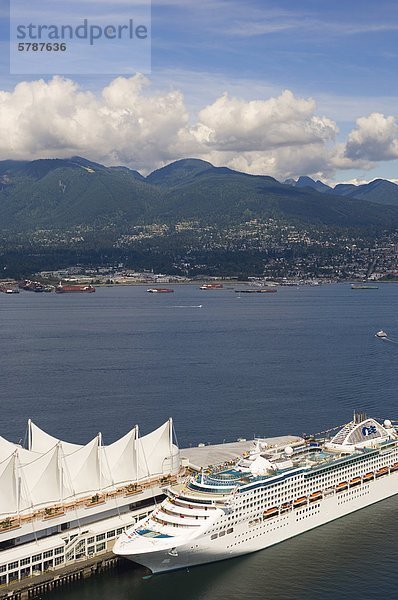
x: 361, y: 286
x: 267, y: 496
x: 211, y: 286
x: 67, y: 289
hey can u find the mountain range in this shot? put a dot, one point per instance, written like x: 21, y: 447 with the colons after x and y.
x: 62, y: 193
x: 379, y: 191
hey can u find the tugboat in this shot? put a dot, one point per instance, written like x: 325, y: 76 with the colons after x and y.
x: 381, y: 334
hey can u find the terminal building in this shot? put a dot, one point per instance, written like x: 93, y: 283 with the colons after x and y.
x: 61, y: 502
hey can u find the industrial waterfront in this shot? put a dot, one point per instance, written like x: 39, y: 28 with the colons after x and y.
x: 292, y: 362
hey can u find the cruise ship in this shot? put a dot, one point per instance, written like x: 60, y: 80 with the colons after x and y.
x: 268, y: 495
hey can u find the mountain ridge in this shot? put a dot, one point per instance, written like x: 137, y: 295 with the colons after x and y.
x: 62, y: 193
x: 378, y: 191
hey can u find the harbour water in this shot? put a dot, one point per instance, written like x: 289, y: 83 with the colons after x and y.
x: 224, y: 366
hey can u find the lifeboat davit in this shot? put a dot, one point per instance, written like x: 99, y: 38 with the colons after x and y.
x: 343, y: 485
x: 382, y: 471
x: 271, y: 512
x: 355, y: 481
x: 300, y: 501
x: 315, y: 496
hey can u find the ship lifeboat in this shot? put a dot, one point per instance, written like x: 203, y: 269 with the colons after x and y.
x: 271, y: 512
x: 394, y: 467
x: 343, y: 485
x: 300, y: 501
x: 368, y: 477
x: 382, y: 471
x: 285, y: 507
x: 315, y: 496
x: 355, y: 481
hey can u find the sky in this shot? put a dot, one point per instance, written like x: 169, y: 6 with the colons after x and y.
x: 282, y: 88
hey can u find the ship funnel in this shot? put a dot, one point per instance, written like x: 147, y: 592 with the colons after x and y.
x: 359, y: 417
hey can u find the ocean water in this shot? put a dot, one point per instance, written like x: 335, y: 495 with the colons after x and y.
x: 224, y: 366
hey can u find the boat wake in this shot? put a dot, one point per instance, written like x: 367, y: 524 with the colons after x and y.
x: 383, y: 336
x: 387, y: 339
x: 188, y: 306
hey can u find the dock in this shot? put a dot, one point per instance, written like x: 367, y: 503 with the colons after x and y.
x: 42, y: 584
x: 89, y: 552
x: 202, y: 456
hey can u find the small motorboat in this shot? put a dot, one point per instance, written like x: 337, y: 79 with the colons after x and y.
x: 381, y: 334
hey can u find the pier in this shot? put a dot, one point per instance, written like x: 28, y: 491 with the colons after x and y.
x: 202, y: 456
x: 85, y: 548
x: 46, y: 582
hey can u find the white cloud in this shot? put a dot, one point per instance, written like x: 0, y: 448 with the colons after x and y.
x: 280, y: 136
x: 281, y: 163
x: 129, y: 123
x: 230, y: 123
x: 373, y: 139
x: 355, y: 181
x: 124, y: 125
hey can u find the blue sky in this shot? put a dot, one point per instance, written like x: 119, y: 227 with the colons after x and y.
x: 342, y: 54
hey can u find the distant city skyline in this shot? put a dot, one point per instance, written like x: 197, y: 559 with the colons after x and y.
x: 277, y: 88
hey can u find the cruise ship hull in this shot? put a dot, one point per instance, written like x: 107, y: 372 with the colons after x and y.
x: 268, y: 532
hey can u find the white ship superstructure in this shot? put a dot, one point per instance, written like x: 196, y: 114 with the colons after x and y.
x: 269, y: 495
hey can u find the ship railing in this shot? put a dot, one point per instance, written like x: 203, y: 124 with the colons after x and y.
x: 223, y: 482
x: 185, y: 502
x: 187, y: 515
x: 172, y: 523
x: 222, y: 466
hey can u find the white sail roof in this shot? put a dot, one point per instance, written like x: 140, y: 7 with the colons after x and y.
x: 83, y: 474
x: 8, y: 486
x: 56, y: 471
x: 7, y: 448
x: 119, y: 460
x: 42, y: 442
x: 154, y: 450
x: 41, y: 480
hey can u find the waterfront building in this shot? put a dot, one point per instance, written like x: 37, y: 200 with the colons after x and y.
x: 61, y: 502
